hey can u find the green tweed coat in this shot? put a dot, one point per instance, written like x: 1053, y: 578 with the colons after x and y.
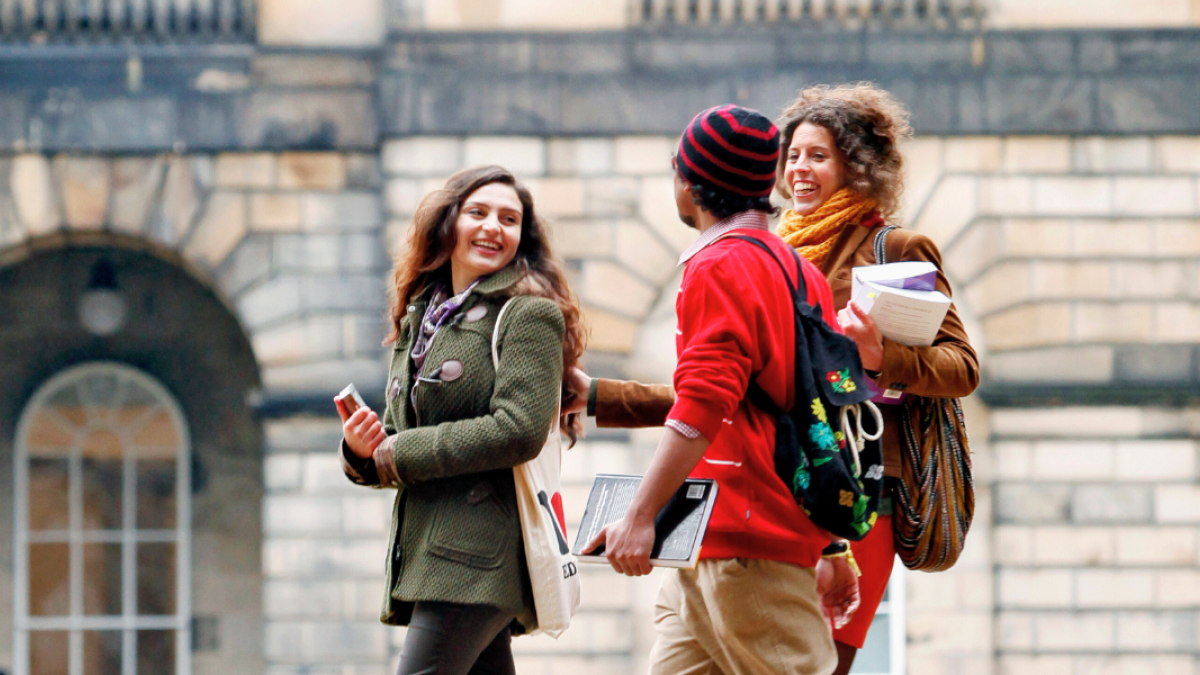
x: 456, y: 533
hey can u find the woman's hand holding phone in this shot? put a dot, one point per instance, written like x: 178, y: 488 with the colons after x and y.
x: 360, y: 425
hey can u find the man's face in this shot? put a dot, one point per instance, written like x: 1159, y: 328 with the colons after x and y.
x: 684, y: 204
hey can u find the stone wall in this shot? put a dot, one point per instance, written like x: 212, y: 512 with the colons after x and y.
x: 1076, y: 257
x: 1097, y: 566
x: 297, y: 244
x: 290, y: 240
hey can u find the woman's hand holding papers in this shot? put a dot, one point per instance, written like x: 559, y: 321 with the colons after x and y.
x: 860, y: 327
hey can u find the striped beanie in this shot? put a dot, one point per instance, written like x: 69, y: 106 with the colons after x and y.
x: 730, y: 149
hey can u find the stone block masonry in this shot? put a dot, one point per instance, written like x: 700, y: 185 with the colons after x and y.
x: 290, y: 240
x: 609, y: 203
x: 1101, y: 574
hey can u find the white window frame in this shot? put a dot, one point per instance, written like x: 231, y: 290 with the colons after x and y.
x: 893, y: 608
x: 128, y: 536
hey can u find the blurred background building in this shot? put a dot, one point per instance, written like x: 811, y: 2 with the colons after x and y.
x: 199, y: 199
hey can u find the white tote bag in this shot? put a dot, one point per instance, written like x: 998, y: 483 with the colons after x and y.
x: 552, y: 570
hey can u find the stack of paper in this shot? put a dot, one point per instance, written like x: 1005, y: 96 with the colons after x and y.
x: 902, y: 299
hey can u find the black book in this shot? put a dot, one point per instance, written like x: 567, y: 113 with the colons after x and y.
x: 679, y: 527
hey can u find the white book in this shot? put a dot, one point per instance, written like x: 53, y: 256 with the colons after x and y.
x: 907, y: 316
x: 916, y: 275
x: 679, y: 526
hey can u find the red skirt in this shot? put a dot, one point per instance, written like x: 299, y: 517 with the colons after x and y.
x: 875, y: 555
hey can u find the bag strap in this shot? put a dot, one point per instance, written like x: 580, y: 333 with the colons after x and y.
x: 496, y: 332
x: 881, y: 244
x: 799, y: 289
x: 496, y: 358
x: 757, y: 395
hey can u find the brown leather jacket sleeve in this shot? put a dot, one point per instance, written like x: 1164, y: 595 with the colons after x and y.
x: 950, y: 367
x: 625, y: 404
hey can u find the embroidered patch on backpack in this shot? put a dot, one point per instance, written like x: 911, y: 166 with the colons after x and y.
x: 822, y: 437
x: 819, y: 411
x: 841, y: 381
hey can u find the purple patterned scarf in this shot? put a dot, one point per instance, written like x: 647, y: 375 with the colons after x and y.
x: 441, y: 307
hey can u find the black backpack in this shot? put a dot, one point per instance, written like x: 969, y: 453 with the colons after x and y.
x: 834, y: 471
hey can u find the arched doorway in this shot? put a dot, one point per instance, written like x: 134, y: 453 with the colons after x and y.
x: 102, y: 526
x: 170, y: 342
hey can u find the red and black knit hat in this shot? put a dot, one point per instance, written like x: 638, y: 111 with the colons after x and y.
x: 731, y: 149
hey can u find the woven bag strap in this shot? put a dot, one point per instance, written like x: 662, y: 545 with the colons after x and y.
x: 881, y: 244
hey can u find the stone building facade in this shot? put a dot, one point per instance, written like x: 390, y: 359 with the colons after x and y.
x: 249, y: 194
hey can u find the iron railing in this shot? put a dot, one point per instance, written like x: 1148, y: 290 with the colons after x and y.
x: 824, y: 13
x: 53, y: 21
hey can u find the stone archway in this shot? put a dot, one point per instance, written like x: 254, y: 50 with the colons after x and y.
x: 178, y: 331
x: 291, y: 240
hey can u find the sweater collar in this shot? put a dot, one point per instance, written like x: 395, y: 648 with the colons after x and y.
x: 753, y: 220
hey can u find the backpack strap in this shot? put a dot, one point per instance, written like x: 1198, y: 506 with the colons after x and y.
x: 799, y: 288
x: 757, y: 395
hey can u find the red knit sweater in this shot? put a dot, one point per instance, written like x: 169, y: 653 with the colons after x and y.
x: 735, y: 321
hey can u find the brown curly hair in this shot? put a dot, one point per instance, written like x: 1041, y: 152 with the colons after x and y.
x: 431, y: 240
x: 867, y: 124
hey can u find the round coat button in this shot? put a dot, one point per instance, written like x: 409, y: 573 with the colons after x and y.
x: 394, y: 389
x: 475, y: 313
x: 451, y: 371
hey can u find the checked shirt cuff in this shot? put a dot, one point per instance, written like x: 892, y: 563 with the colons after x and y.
x: 689, y: 432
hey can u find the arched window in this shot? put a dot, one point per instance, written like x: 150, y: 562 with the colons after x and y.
x: 102, y: 527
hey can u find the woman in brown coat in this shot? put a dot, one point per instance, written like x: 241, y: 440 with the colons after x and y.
x: 842, y: 169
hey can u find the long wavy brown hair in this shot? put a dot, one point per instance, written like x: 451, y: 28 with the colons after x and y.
x: 425, y: 257
x: 868, y: 125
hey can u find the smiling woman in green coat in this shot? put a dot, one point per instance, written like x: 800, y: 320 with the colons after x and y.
x: 456, y: 424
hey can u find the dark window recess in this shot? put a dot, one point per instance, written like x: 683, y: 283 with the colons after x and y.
x: 206, y: 634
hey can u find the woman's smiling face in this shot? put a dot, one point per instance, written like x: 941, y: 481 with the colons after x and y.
x: 814, y: 170
x: 487, y: 233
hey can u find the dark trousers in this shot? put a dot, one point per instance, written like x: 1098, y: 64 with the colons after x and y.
x: 451, y: 639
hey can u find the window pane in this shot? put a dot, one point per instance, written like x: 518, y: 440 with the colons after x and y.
x: 156, y: 494
x: 49, y: 574
x: 156, y: 652
x: 100, y: 389
x: 102, y: 579
x: 157, y: 436
x: 102, y: 652
x: 48, y: 494
x: 48, y: 435
x: 48, y: 652
x: 66, y: 403
x: 156, y: 578
x: 876, y: 654
x: 102, y: 482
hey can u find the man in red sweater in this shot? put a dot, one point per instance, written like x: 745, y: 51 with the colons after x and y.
x: 751, y: 606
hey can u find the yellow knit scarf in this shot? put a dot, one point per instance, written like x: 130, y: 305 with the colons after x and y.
x: 813, y: 235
